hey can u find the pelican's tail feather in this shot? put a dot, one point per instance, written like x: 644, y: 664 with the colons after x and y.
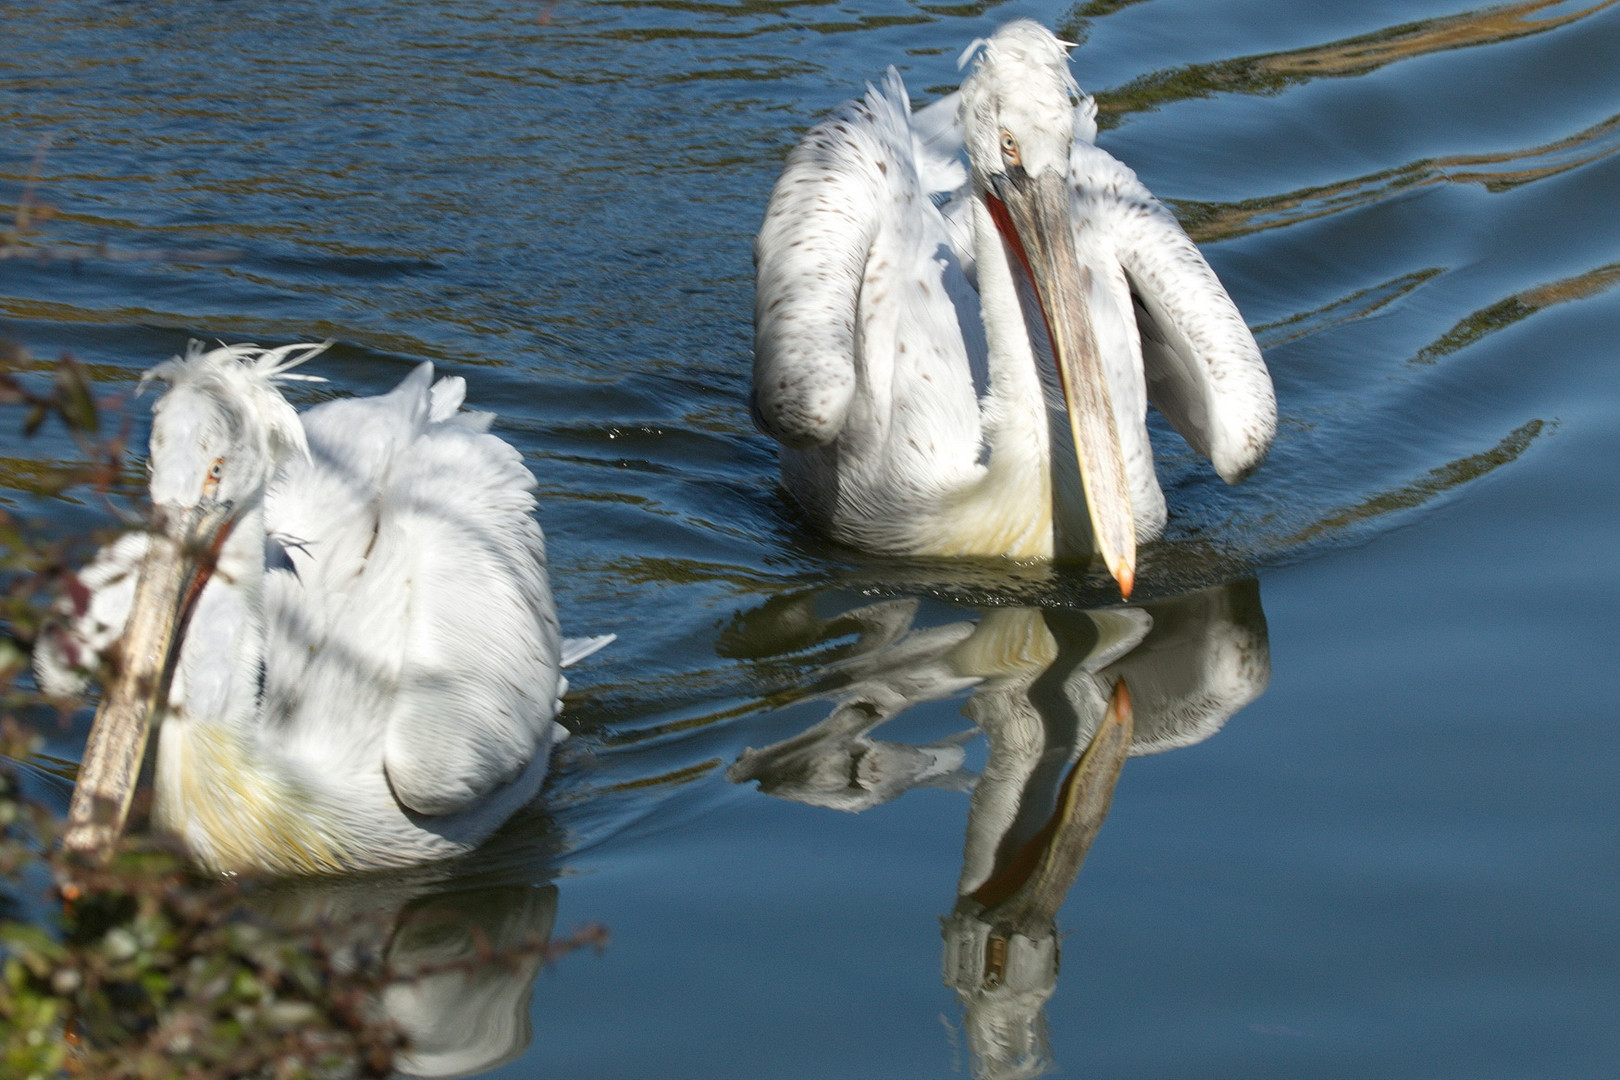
x: 575, y: 649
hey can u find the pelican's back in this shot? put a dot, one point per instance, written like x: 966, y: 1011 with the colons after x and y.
x: 416, y: 595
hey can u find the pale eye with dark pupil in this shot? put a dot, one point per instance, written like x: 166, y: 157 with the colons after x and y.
x: 1009, y: 148
x: 215, y: 471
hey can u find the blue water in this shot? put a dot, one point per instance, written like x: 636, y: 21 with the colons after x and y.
x: 1402, y: 859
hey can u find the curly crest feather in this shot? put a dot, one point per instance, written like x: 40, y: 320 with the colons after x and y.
x: 249, y: 379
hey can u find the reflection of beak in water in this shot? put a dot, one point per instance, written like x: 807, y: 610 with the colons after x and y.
x: 1001, y: 941
x: 1062, y: 697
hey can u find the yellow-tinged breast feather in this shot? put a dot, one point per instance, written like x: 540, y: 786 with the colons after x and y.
x: 236, y: 815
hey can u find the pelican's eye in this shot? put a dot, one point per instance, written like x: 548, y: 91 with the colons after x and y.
x: 215, y: 472
x: 1009, y: 150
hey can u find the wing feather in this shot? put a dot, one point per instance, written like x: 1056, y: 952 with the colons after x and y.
x: 850, y: 178
x: 478, y: 684
x: 1204, y: 369
x: 78, y: 636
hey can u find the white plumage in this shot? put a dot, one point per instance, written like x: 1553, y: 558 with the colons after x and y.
x: 369, y: 672
x: 938, y: 347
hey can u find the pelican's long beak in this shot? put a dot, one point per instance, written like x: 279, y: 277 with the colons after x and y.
x: 184, y: 547
x: 1032, y: 214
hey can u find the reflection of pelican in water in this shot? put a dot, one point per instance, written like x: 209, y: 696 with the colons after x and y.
x: 461, y: 943
x: 1062, y: 697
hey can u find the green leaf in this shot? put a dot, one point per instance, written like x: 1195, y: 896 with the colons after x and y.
x: 73, y: 399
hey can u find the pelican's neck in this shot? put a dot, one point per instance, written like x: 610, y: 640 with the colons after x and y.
x: 216, y: 681
x: 1016, y: 400
x: 237, y: 802
x: 1022, y: 419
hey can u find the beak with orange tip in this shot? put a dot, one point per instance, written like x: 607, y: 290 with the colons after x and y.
x: 1033, y: 217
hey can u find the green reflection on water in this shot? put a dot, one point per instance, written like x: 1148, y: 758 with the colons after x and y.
x: 1435, y: 482
x: 1270, y: 73
x: 1521, y: 305
x: 1357, y: 305
x: 1209, y: 222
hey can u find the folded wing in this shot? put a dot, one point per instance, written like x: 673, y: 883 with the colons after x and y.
x: 412, y: 542
x: 1204, y: 369
x: 850, y: 220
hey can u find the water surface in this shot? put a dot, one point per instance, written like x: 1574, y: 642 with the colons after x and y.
x: 1367, y: 826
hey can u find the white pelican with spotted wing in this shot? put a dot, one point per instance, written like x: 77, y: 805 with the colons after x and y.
x: 959, y: 361
x: 340, y: 623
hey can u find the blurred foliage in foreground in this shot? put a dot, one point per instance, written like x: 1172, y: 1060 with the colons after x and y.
x: 141, y: 969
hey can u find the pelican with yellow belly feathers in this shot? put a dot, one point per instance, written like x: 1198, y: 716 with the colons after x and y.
x: 340, y: 624
x: 958, y: 361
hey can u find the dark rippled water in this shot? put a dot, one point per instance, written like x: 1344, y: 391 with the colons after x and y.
x: 1400, y: 859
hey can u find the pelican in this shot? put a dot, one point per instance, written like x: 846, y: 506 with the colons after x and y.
x: 340, y: 622
x: 958, y: 361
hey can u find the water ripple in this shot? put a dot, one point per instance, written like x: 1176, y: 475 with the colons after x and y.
x: 1212, y: 222
x: 1271, y: 73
